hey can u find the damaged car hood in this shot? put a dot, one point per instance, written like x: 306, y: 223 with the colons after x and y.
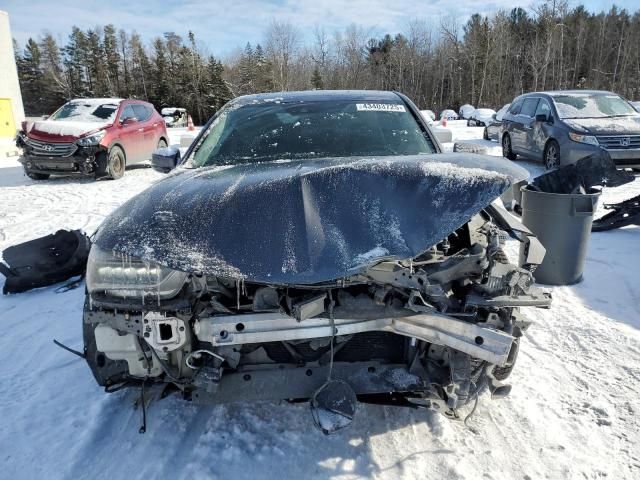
x: 304, y: 222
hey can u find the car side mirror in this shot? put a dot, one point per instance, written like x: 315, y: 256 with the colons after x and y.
x: 164, y: 160
x: 543, y: 117
x: 128, y: 120
x: 493, y: 117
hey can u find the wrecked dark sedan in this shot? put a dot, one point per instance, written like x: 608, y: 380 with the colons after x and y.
x: 313, y: 246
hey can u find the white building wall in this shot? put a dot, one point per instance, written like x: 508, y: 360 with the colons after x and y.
x: 9, y: 86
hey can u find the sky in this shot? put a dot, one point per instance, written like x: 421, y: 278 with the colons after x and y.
x: 224, y: 25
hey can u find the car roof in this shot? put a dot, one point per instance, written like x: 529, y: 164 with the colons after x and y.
x: 570, y: 92
x: 320, y: 96
x: 97, y: 100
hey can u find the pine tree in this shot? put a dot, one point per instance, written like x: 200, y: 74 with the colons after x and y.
x: 316, y: 79
x: 30, y: 75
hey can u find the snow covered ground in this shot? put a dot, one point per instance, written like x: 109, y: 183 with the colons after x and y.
x: 574, y: 411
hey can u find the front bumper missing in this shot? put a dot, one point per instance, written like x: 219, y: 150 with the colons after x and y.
x: 484, y: 343
x: 82, y: 162
x: 301, y: 382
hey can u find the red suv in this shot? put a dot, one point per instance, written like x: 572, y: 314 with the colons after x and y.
x: 95, y: 136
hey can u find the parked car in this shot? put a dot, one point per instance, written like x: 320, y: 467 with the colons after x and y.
x: 95, y: 136
x: 480, y: 117
x: 465, y: 111
x: 494, y: 128
x: 282, y: 254
x: 561, y: 127
x: 174, y: 117
x: 448, y: 114
x: 636, y: 105
x: 429, y: 115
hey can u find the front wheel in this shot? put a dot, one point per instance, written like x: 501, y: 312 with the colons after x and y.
x: 111, y: 164
x: 507, y: 152
x: 485, y: 134
x: 551, y: 156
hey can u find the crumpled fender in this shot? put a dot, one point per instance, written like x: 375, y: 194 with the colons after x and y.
x: 305, y: 222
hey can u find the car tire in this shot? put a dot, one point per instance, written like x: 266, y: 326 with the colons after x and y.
x: 506, y: 148
x: 485, y: 134
x: 551, y: 155
x: 37, y: 176
x: 111, y: 164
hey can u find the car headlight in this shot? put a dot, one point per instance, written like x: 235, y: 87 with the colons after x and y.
x: 590, y: 139
x: 91, y: 139
x: 119, y: 275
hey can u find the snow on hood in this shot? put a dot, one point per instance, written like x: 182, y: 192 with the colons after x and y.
x: 67, y: 128
x: 304, y: 221
x: 606, y: 126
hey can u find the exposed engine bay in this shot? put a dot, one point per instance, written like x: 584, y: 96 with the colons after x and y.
x: 434, y: 331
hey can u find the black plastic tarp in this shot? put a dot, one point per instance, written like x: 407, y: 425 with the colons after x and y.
x: 304, y: 222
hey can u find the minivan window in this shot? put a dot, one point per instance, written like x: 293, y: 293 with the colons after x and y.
x: 589, y: 105
x: 272, y: 130
x: 529, y: 107
x: 543, y: 108
x: 515, y: 107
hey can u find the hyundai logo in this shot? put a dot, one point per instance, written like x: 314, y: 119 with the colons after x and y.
x: 49, y: 148
x: 625, y: 141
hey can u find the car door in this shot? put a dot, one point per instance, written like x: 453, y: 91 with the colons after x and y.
x: 538, y: 135
x: 129, y: 134
x: 147, y: 137
x: 522, y: 126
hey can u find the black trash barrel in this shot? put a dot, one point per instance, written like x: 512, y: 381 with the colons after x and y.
x: 562, y: 222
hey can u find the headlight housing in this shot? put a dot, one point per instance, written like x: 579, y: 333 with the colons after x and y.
x: 119, y: 275
x: 590, y: 139
x: 91, y: 140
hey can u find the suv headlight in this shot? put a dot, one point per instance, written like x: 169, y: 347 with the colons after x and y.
x: 119, y: 275
x: 590, y: 139
x: 91, y: 139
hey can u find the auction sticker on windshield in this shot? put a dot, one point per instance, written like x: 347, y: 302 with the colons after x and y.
x: 379, y: 107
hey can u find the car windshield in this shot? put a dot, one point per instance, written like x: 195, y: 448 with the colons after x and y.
x: 274, y: 130
x: 577, y: 105
x: 83, y: 111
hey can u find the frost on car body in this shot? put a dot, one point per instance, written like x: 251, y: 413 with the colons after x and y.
x: 236, y: 280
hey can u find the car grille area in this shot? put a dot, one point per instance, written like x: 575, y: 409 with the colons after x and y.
x: 618, y: 142
x: 51, y: 149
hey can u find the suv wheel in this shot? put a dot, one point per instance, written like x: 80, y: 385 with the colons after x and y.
x: 551, y: 156
x: 506, y: 148
x: 111, y: 164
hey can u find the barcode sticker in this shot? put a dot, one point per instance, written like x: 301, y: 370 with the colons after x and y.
x: 379, y: 107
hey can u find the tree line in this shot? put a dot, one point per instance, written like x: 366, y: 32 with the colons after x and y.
x: 486, y: 61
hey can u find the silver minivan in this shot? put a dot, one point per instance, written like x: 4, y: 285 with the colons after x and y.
x: 561, y: 127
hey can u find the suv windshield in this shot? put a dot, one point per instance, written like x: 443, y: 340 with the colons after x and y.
x: 83, y: 111
x: 577, y: 105
x: 272, y: 130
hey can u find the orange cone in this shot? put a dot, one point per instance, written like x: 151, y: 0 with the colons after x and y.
x: 190, y: 125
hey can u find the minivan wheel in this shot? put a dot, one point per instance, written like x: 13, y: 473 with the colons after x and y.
x: 506, y: 148
x: 485, y: 134
x: 551, y: 155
